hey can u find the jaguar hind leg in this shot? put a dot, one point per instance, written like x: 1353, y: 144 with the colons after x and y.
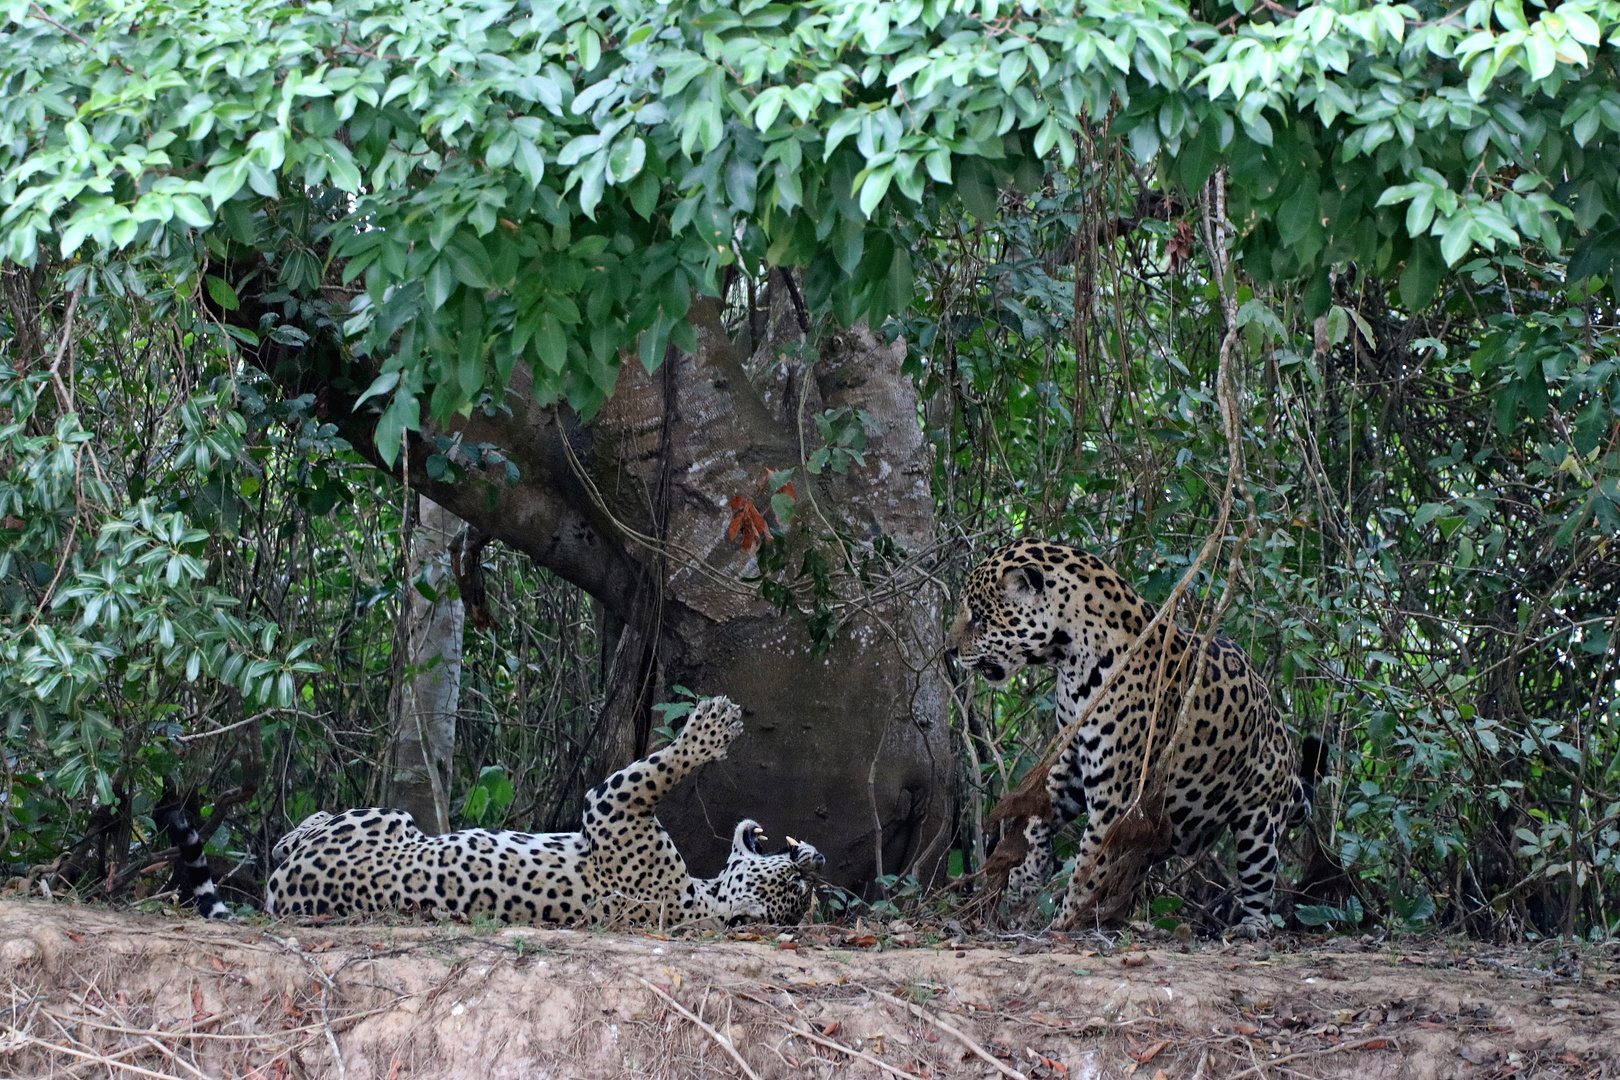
x: 635, y: 871
x: 1257, y: 836
x: 636, y: 789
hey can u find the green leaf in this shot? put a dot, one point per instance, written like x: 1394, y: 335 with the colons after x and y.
x: 551, y: 343
x: 875, y: 187
x: 1297, y: 213
x: 530, y: 162
x: 190, y: 209
x: 221, y: 292
x: 469, y: 260
x: 976, y: 184
x: 1421, y: 277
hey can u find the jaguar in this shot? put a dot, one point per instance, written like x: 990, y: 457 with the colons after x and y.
x: 1225, y: 762
x: 622, y: 867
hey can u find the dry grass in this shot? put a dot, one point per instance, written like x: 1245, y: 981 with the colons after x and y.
x: 93, y: 993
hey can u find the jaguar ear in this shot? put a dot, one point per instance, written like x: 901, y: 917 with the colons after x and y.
x: 1023, y: 581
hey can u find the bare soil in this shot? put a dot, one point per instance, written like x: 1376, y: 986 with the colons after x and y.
x: 92, y: 992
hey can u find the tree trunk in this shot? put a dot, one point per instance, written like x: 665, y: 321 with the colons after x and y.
x: 429, y: 690
x: 848, y: 750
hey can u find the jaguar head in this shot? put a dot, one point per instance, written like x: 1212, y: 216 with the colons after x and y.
x: 767, y: 888
x: 1007, y: 616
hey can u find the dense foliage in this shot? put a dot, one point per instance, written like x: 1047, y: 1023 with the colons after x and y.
x: 546, y: 184
x: 206, y: 206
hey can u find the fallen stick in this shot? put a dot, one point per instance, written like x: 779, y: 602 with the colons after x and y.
x: 1259, y: 1070
x: 725, y: 1043
x: 850, y: 1050
x: 923, y: 1014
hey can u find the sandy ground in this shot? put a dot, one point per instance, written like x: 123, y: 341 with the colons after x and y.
x: 91, y: 992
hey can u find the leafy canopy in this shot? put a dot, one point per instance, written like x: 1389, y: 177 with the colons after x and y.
x: 547, y: 183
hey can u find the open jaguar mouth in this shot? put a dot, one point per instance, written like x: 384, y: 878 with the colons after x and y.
x: 993, y: 672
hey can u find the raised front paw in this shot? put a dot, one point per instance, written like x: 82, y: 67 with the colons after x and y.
x: 714, y: 722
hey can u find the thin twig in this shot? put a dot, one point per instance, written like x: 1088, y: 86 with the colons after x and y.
x: 193, y: 1032
x: 331, y: 1039
x: 841, y: 1048
x: 725, y: 1043
x: 923, y: 1014
x: 174, y: 1056
x: 63, y: 398
x: 244, y: 723
x: 1259, y: 1071
x: 39, y: 13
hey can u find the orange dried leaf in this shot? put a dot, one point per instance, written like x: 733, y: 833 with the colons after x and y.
x: 1151, y: 1052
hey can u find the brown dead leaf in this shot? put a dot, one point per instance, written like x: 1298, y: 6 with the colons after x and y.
x: 1245, y: 1029
x: 217, y: 964
x: 827, y: 1032
x: 863, y: 941
x: 1150, y: 1053
x: 1133, y: 959
x: 1056, y: 1067
x: 1376, y: 1044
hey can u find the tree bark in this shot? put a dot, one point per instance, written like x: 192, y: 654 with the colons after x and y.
x: 429, y: 690
x: 850, y: 750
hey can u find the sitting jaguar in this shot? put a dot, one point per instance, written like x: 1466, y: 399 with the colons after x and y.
x: 621, y: 868
x: 1232, y: 764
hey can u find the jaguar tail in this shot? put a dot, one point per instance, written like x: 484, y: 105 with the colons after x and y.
x: 1312, y: 767
x: 191, y: 874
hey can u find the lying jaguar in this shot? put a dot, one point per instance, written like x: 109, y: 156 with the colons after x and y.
x: 621, y: 868
x: 1232, y: 763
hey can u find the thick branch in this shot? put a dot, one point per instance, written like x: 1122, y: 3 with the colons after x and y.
x: 547, y: 514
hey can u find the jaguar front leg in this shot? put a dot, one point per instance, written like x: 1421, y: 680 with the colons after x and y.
x: 1105, y: 876
x: 1026, y: 880
x: 1066, y: 789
